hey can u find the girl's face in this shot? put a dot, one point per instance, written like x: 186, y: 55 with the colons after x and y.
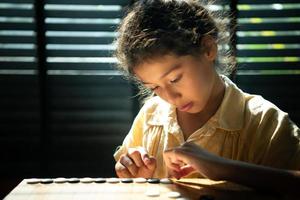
x: 185, y: 82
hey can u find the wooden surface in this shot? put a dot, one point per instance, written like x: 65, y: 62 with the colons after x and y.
x: 188, y: 188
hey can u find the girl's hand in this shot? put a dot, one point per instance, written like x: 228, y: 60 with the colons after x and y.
x: 188, y: 158
x: 136, y: 163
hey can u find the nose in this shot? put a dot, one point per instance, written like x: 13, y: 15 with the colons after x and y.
x: 171, y: 95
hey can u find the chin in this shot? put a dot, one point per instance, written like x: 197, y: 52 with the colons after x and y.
x: 194, y: 110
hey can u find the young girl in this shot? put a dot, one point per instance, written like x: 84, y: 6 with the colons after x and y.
x: 171, y: 48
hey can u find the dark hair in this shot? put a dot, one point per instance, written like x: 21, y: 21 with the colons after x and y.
x: 159, y: 27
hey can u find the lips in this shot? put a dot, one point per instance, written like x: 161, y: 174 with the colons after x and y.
x: 186, y: 107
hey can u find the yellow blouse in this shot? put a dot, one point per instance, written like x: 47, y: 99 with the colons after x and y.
x: 245, y: 127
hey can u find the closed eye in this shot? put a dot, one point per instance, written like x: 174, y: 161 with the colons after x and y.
x: 176, y: 79
x: 154, y: 88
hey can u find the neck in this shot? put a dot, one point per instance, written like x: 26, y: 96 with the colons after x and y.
x: 215, y: 99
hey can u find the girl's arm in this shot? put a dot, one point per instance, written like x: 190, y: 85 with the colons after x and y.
x: 217, y: 168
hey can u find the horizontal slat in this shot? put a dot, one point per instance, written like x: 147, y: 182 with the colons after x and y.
x: 80, y: 66
x: 269, y: 13
x: 8, y: 103
x: 91, y: 81
x: 266, y: 1
x: 17, y: 26
x: 79, y: 40
x: 23, y: 129
x: 89, y: 2
x: 16, y: 52
x: 92, y: 91
x: 113, y: 103
x: 267, y: 26
x: 269, y: 65
x: 78, y: 52
x: 108, y: 128
x: 16, y: 12
x: 19, y: 116
x: 268, y: 40
x: 96, y: 115
x: 268, y: 52
x: 18, y: 39
x: 73, y: 27
x: 18, y: 1
x: 84, y: 14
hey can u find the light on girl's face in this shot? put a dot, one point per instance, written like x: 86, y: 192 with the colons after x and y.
x: 183, y: 81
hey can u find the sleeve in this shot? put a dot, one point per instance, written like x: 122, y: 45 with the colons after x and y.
x: 277, y: 141
x: 134, y: 137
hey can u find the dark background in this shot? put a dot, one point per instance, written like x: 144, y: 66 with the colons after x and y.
x: 63, y: 107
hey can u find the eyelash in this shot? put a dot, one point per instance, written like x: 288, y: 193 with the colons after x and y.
x: 172, y: 82
x: 176, y: 79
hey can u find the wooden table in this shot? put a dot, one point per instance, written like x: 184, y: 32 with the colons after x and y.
x: 188, y: 188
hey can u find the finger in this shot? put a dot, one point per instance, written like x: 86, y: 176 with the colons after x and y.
x: 135, y: 155
x: 129, y: 164
x: 152, y: 164
x: 173, y: 169
x: 122, y: 171
x: 180, y: 173
x: 150, y: 168
x: 178, y: 155
x: 168, y: 161
x: 185, y: 170
x: 171, y: 157
x: 174, y: 174
x: 145, y: 156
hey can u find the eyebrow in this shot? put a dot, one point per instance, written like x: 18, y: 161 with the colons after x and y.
x: 174, y: 67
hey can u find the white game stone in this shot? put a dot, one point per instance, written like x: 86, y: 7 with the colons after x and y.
x: 113, y: 180
x: 60, y: 180
x: 165, y: 181
x: 86, y: 180
x: 140, y: 180
x: 33, y: 181
x: 152, y: 193
x: 174, y: 194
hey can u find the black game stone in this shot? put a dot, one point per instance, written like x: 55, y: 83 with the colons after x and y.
x: 73, y: 180
x: 100, y: 180
x: 126, y: 180
x: 47, y: 181
x: 153, y: 180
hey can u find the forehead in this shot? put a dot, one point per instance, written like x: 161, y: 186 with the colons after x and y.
x: 154, y: 70
x: 156, y: 66
x: 159, y: 63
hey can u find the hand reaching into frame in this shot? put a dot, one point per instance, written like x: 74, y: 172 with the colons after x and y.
x: 189, y: 158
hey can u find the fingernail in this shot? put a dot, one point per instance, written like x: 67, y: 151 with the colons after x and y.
x: 147, y: 161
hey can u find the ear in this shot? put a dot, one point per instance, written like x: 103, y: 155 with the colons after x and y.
x: 210, y: 47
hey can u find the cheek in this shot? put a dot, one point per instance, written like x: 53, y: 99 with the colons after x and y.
x: 197, y: 87
x: 199, y: 90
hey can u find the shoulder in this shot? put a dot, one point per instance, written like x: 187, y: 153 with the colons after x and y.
x: 263, y: 112
x: 258, y: 106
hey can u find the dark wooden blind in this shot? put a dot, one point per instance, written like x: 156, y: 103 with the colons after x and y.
x: 89, y: 107
x: 19, y: 91
x: 268, y: 51
x: 90, y: 104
